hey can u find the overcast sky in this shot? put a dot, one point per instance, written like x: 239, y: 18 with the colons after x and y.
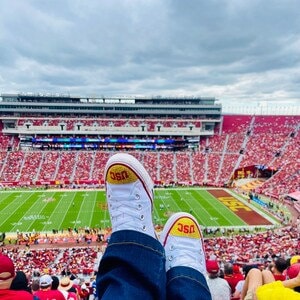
x: 243, y: 52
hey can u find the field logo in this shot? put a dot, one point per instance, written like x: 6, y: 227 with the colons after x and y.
x: 233, y: 204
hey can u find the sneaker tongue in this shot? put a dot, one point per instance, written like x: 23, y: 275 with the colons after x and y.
x: 186, y: 227
x: 120, y: 174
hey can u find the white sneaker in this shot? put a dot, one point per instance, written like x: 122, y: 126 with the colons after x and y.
x: 183, y: 242
x: 129, y: 194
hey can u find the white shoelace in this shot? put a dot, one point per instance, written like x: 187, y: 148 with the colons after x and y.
x: 130, y: 209
x: 181, y: 251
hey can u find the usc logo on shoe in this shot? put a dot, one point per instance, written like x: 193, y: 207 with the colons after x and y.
x: 186, y: 227
x: 120, y: 174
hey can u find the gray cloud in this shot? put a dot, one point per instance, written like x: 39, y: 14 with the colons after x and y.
x: 237, y: 51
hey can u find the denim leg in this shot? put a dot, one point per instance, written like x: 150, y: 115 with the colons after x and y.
x: 132, y: 267
x: 186, y: 283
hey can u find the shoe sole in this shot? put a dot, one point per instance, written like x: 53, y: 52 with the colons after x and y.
x: 190, y: 229
x: 112, y: 175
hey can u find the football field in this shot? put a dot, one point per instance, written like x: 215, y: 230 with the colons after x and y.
x: 45, y: 210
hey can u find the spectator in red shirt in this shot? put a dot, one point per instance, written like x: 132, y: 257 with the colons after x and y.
x: 45, y: 292
x: 232, y: 277
x: 280, y: 264
x: 7, y: 274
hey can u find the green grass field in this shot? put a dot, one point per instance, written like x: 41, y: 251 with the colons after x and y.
x: 42, y: 211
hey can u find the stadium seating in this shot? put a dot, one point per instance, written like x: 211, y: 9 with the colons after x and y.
x: 84, y: 165
x: 166, y: 167
x: 239, y: 141
x: 31, y: 166
x: 183, y: 168
x: 48, y: 165
x: 71, y: 252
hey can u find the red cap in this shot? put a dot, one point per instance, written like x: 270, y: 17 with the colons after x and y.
x: 212, y: 266
x: 293, y: 270
x: 7, y: 268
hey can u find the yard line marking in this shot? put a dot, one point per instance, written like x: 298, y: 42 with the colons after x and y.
x: 66, y: 210
x: 32, y: 211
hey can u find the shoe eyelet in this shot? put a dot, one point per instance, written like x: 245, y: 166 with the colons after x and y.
x: 170, y: 258
x: 139, y: 207
x: 142, y: 217
x: 137, y: 196
x: 171, y: 247
x: 144, y: 228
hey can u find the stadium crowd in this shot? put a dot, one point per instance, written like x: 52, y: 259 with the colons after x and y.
x: 72, y: 255
x: 238, y: 142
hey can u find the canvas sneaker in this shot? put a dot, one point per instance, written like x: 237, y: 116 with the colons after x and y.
x: 183, y: 242
x: 129, y: 194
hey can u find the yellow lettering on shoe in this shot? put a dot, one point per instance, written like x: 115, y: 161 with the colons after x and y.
x: 120, y: 174
x: 185, y: 227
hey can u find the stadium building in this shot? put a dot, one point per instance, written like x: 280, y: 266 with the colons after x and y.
x: 62, y: 140
x: 43, y: 121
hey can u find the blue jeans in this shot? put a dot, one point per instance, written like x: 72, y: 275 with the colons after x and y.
x: 133, y: 267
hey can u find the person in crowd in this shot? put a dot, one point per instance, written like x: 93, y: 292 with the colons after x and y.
x: 66, y: 287
x: 232, y: 275
x: 20, y: 282
x: 239, y: 286
x: 280, y: 265
x: 76, y: 288
x: 55, y: 282
x: 219, y: 287
x: 261, y: 285
x: 136, y: 265
x: 45, y: 292
x: 55, y: 286
x: 35, y: 285
x: 84, y: 292
x: 7, y: 275
x: 238, y: 289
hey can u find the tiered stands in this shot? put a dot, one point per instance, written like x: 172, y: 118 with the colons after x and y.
x: 49, y: 165
x: 166, y: 167
x: 183, y: 167
x: 84, y: 165
x: 217, y: 143
x: 7, y: 141
x: 214, y: 161
x: 261, y: 149
x: 234, y: 142
x: 13, y: 166
x: 32, y: 162
x: 66, y: 167
x: 199, y: 168
x: 228, y: 165
x: 99, y: 164
x: 275, y: 124
x: 236, y: 124
x: 283, y: 182
x: 150, y: 161
x: 240, y: 142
